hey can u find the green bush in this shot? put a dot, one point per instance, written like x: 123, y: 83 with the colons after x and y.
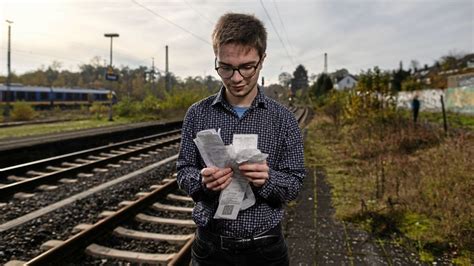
x: 98, y: 109
x: 22, y: 111
x: 127, y: 107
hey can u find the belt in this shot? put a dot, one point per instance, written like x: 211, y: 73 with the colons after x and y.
x: 234, y: 243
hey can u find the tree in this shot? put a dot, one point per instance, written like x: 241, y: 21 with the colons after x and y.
x: 300, y: 79
x: 339, y: 74
x: 285, y: 79
x: 399, y: 76
x: 322, y: 86
x: 414, y: 64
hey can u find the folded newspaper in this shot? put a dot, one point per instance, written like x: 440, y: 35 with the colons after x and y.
x: 238, y: 195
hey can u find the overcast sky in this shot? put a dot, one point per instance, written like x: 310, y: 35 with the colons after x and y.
x: 356, y: 34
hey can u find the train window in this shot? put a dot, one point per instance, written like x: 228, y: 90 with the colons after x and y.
x: 20, y: 96
x: 83, y: 97
x: 69, y: 97
x: 3, y: 95
x: 44, y: 96
x: 30, y: 96
x: 58, y: 96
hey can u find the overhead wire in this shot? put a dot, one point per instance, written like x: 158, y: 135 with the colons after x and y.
x: 278, y: 35
x: 172, y: 23
x: 199, y: 13
x: 283, y: 26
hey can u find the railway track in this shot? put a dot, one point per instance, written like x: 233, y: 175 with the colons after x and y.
x: 112, y: 225
x: 38, y: 174
x: 152, y: 227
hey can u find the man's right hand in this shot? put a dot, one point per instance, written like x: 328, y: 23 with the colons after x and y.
x: 216, y: 179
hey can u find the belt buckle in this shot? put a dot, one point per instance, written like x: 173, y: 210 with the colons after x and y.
x: 222, y: 240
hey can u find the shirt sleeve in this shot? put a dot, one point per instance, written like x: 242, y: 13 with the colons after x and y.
x: 286, y: 177
x: 188, y: 164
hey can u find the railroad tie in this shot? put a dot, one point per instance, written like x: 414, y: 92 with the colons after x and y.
x: 165, y: 207
x: 35, y: 173
x: 83, y: 161
x: 167, y: 180
x: 142, y: 194
x: 51, y: 244
x: 179, y: 198
x: 67, y: 180
x: 126, y: 203
x: 55, y: 168
x: 68, y: 164
x: 141, y: 235
x: 156, y: 186
x: 15, y: 263
x: 108, y: 155
x: 23, y: 195
x: 97, y: 158
x: 2, y: 204
x: 85, y: 175
x: 105, y: 214
x: 81, y: 227
x: 47, y: 187
x: 100, y: 170
x: 131, y: 256
x: 16, y: 178
x: 112, y: 165
x: 116, y: 152
x: 125, y: 162
x: 141, y: 217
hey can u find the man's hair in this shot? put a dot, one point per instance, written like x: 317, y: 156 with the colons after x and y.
x: 240, y: 29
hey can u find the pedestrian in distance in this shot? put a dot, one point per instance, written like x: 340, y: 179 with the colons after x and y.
x: 415, y: 107
x: 255, y: 236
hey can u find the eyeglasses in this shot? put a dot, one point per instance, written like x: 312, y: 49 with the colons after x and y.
x: 246, y: 71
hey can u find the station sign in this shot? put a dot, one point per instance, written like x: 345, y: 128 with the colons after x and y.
x: 111, y: 75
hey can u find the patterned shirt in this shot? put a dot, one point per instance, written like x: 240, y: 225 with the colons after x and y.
x: 278, y: 135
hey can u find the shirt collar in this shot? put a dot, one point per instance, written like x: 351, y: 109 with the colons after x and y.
x: 259, y: 101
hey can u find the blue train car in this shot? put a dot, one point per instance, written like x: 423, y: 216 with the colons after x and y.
x: 46, y: 96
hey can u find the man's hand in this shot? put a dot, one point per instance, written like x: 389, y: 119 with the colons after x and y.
x: 256, y: 173
x: 216, y: 179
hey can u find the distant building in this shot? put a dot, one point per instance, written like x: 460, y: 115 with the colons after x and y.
x: 345, y: 82
x: 437, y: 77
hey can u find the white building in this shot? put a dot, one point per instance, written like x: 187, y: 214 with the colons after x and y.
x: 347, y: 82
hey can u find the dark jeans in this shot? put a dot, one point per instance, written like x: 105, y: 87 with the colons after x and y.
x: 205, y: 252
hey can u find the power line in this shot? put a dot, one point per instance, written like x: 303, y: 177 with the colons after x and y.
x: 199, y: 13
x: 171, y: 22
x: 279, y: 38
x: 283, y: 26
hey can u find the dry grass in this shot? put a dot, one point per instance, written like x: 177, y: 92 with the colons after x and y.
x: 395, y: 178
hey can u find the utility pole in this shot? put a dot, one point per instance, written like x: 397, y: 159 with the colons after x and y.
x: 167, y: 80
x: 325, y: 63
x: 111, y: 36
x: 7, y: 95
x: 152, y: 76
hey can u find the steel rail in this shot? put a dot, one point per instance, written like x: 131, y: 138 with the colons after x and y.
x: 8, y: 190
x: 80, y: 241
x: 21, y: 168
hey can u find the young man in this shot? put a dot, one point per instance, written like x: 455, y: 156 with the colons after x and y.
x: 240, y: 107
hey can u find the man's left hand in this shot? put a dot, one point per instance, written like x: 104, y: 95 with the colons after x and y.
x: 256, y: 173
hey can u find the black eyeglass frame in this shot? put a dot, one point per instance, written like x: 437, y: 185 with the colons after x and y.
x: 236, y: 68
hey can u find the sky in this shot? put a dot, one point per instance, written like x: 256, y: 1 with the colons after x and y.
x: 356, y: 34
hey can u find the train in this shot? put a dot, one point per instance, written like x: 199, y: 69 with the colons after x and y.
x: 44, y: 97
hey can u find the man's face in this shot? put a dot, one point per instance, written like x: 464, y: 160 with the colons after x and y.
x: 239, y: 90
